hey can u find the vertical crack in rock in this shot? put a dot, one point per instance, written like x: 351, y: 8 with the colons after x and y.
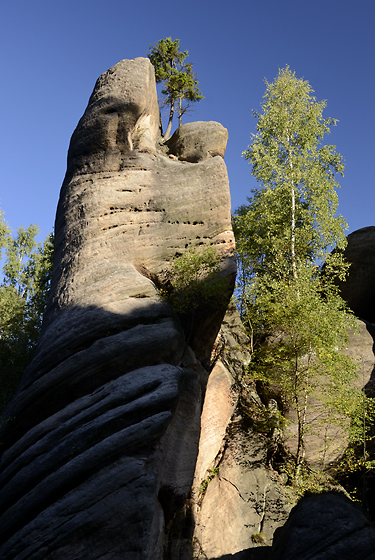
x: 101, y: 442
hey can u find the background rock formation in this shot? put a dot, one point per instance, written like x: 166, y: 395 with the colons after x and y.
x: 242, y: 493
x: 358, y: 289
x: 326, y: 443
x: 235, y: 494
x: 100, y: 447
x: 325, y: 527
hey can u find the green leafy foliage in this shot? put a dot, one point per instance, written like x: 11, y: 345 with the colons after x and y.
x: 212, y: 473
x: 297, y: 321
x: 195, y: 279
x: 180, y: 85
x: 4, y: 232
x: 24, y: 288
x: 357, y: 465
x: 259, y: 539
x: 292, y: 215
x: 309, y: 481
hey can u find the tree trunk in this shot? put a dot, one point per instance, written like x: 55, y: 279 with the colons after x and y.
x: 301, y: 418
x: 293, y: 235
x: 179, y: 111
x: 168, y: 131
x: 293, y: 220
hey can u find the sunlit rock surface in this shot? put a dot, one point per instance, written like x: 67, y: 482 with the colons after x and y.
x: 198, y: 141
x: 100, y: 447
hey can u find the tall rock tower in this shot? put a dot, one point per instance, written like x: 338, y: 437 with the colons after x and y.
x: 101, y: 444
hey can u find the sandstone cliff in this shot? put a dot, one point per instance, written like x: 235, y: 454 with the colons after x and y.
x: 128, y: 436
x: 100, y: 447
x: 358, y: 289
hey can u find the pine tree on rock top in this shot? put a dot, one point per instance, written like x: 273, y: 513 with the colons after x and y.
x: 283, y: 236
x: 180, y: 86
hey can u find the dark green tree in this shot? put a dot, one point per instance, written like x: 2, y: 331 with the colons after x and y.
x: 180, y: 85
x: 285, y: 233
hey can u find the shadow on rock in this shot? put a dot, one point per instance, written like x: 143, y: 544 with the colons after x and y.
x: 325, y: 527
x: 85, y: 452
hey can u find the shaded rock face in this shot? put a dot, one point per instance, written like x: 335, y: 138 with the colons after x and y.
x: 101, y: 444
x: 358, y: 290
x: 325, y: 527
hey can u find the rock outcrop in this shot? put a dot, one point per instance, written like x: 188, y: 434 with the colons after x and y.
x: 235, y: 495
x: 129, y: 436
x: 198, y: 141
x: 325, y: 527
x: 100, y: 448
x: 358, y: 289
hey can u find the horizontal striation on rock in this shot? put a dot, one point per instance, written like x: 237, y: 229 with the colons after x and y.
x: 123, y: 418
x: 106, y: 420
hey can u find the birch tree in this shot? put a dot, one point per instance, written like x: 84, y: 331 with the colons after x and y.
x: 284, y: 234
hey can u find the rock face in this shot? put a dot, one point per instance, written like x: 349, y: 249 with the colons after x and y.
x: 325, y: 527
x: 198, y: 141
x: 358, y: 289
x: 235, y: 493
x: 101, y: 444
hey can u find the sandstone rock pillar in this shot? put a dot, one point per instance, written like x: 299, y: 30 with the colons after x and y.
x: 100, y: 447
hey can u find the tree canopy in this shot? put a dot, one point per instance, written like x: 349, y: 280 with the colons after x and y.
x: 24, y: 288
x: 180, y: 85
x: 294, y: 210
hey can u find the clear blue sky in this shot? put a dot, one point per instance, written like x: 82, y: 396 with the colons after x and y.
x: 52, y: 52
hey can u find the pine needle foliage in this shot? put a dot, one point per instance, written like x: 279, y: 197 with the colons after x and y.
x: 180, y: 85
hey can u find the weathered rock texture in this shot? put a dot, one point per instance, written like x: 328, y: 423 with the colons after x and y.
x: 235, y: 493
x: 102, y: 439
x: 198, y: 141
x: 358, y: 290
x: 128, y: 437
x: 325, y: 527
